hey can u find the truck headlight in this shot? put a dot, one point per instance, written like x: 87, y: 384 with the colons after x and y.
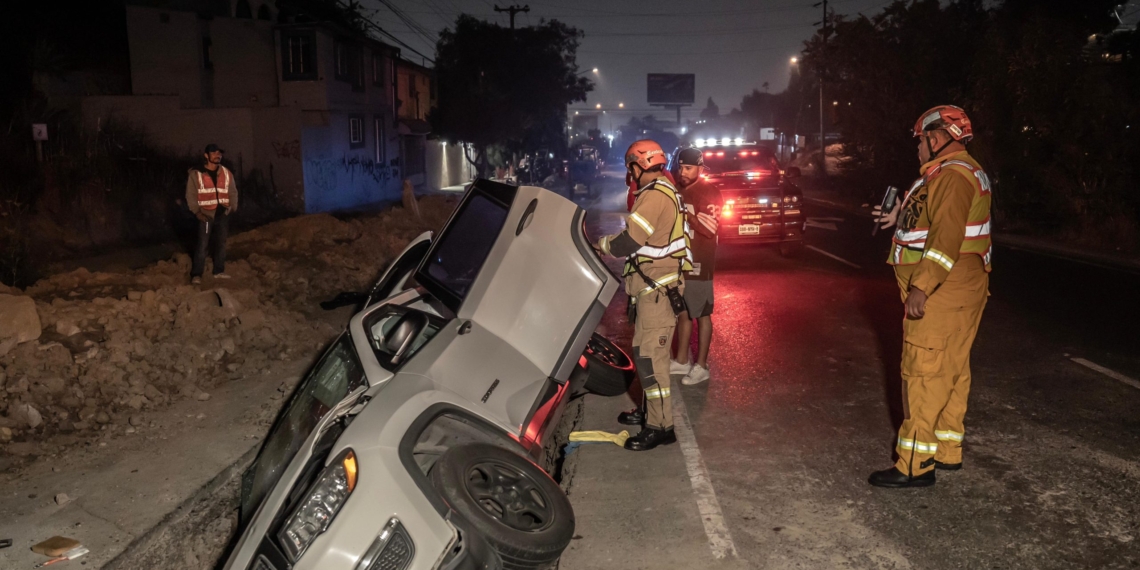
x: 321, y: 504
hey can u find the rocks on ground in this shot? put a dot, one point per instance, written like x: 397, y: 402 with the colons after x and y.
x: 82, y: 351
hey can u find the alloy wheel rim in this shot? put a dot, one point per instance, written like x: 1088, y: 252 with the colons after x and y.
x: 509, y: 495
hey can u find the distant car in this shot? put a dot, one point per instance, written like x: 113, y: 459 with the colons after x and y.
x: 585, y: 168
x: 412, y: 443
x: 761, y: 203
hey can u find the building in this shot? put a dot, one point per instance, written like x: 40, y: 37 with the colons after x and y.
x: 303, y: 103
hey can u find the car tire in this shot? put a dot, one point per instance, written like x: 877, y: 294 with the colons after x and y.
x: 610, y: 369
x: 513, y: 505
x: 791, y: 249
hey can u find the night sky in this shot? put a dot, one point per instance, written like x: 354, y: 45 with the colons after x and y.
x: 732, y: 46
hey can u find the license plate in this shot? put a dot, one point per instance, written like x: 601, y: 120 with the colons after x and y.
x: 748, y: 229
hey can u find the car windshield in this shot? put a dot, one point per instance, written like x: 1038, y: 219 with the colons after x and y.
x: 728, y: 159
x: 329, y: 382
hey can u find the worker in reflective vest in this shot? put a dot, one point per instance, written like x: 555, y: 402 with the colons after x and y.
x: 941, y: 256
x: 656, y: 247
x: 211, y: 195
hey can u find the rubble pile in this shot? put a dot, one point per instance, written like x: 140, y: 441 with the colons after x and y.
x: 80, y: 351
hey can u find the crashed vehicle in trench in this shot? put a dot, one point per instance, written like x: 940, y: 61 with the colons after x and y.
x: 412, y: 443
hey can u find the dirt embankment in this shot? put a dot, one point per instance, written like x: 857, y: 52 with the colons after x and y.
x: 99, y: 348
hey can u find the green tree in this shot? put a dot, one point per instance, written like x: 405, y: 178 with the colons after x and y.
x: 506, y: 87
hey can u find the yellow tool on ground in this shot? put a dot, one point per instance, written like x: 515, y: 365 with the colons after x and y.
x: 600, y: 437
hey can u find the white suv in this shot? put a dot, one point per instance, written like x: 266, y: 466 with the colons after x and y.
x: 410, y: 444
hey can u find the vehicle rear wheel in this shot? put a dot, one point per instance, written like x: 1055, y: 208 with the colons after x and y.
x: 510, y: 502
x: 610, y: 369
x: 791, y: 249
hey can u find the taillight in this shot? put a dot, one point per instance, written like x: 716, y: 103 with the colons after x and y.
x: 709, y: 153
x: 726, y: 210
x: 720, y: 153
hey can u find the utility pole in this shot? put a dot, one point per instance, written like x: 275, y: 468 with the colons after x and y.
x: 513, y: 9
x: 822, y: 141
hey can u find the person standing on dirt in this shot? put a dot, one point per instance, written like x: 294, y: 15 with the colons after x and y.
x: 702, y: 204
x: 212, y: 196
x: 656, y: 247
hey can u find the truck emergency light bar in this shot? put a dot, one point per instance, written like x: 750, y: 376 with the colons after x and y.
x: 722, y: 142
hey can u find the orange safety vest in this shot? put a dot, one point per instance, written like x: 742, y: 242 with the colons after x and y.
x: 909, y: 247
x: 209, y: 196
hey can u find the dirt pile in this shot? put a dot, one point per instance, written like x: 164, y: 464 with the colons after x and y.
x: 114, y: 344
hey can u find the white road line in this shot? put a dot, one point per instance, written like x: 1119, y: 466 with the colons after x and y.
x: 1107, y: 372
x: 832, y: 256
x: 720, y: 539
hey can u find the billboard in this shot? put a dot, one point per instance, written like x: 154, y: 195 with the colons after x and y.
x: 672, y: 88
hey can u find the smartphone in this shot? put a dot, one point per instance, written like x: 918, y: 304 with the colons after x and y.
x: 888, y: 204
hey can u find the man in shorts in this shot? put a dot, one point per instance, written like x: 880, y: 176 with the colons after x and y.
x: 702, y: 204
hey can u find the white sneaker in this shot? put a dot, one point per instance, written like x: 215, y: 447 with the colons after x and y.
x: 678, y: 369
x: 221, y: 276
x: 697, y: 375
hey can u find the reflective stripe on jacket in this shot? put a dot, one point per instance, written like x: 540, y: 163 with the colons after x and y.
x: 910, y: 246
x: 209, y: 196
x: 677, y: 246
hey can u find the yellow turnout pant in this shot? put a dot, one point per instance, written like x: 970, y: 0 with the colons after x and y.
x: 936, y: 373
x: 652, y: 336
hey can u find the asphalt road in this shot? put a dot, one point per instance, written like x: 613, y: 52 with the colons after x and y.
x: 804, y: 401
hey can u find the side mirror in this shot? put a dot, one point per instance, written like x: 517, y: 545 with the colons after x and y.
x: 400, y: 338
x: 792, y: 172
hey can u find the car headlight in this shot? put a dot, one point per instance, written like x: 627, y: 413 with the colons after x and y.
x: 315, y: 513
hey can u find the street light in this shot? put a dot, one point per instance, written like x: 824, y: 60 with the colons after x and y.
x: 595, y: 70
x: 795, y: 60
x: 598, y: 106
x: 621, y: 105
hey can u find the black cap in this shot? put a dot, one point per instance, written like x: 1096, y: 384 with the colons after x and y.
x: 213, y: 148
x: 691, y: 157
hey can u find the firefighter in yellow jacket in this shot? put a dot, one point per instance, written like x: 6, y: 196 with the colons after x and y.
x: 656, y: 248
x: 941, y: 255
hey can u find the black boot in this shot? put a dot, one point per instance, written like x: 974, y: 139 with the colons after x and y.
x: 634, y: 417
x: 894, y: 479
x: 650, y: 438
x: 947, y: 466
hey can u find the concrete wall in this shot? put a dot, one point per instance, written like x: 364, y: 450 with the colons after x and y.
x: 178, y: 130
x: 277, y: 154
x: 339, y: 177
x: 446, y: 165
x: 244, y: 63
x: 166, y: 57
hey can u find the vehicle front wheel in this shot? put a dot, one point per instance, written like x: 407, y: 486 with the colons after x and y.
x: 610, y: 369
x: 509, y: 501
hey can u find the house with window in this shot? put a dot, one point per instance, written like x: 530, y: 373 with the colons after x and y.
x: 303, y: 102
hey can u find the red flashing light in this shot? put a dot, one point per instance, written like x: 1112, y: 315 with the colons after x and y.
x: 709, y: 153
x: 720, y: 153
x: 744, y: 153
x: 755, y: 152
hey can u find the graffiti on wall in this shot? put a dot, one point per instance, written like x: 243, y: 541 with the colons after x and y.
x: 288, y: 149
x: 324, y: 172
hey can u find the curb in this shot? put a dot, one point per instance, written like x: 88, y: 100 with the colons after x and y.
x: 1023, y: 243
x: 168, y: 543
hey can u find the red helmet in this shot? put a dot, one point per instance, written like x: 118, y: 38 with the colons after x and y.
x: 646, y: 154
x: 949, y: 118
